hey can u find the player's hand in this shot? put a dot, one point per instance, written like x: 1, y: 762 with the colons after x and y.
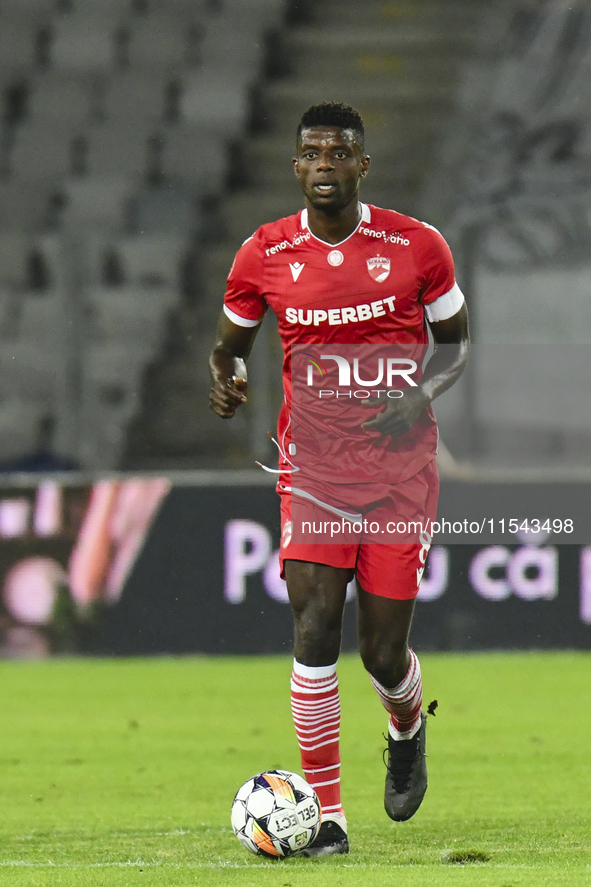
x: 227, y: 395
x: 228, y: 383
x: 396, y: 417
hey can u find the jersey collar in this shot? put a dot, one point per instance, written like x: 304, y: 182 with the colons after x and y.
x: 365, y: 217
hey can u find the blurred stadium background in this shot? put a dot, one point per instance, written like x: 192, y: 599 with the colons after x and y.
x: 142, y: 140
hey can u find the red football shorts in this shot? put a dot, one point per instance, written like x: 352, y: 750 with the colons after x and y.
x: 390, y: 570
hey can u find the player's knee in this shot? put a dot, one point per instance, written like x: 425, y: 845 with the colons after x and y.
x: 317, y: 634
x: 314, y: 630
x: 386, y: 662
x: 317, y: 613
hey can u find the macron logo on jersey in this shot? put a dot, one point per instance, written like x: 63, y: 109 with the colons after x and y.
x: 296, y: 269
x: 339, y: 316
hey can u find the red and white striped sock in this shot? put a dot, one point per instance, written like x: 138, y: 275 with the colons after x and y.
x: 316, y: 709
x: 404, y: 701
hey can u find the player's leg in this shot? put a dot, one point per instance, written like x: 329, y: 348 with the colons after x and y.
x: 384, y: 626
x: 389, y: 576
x: 317, y: 594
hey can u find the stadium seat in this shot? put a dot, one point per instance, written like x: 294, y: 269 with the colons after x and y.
x: 14, y: 94
x: 20, y: 421
x: 18, y: 46
x: 24, y: 205
x: 573, y: 99
x: 97, y: 202
x: 135, y: 96
x: 99, y: 258
x: 29, y: 370
x: 202, y: 9
x: 196, y: 155
x: 116, y: 363
x: 41, y: 152
x: 152, y: 260
x: 231, y: 58
x: 101, y: 9
x: 251, y: 16
x: 128, y: 313
x: 15, y: 249
x: 116, y: 148
x: 54, y: 96
x: 9, y: 313
x: 162, y: 42
x: 166, y: 209
x: 215, y: 101
x: 15, y: 9
x: 45, y: 262
x: 111, y: 386
x: 82, y: 44
x: 43, y: 317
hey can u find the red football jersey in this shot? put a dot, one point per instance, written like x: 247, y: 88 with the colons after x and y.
x: 371, y: 289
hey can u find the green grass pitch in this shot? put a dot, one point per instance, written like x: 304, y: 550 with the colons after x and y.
x: 122, y: 773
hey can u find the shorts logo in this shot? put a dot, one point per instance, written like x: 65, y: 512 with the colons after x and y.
x: 379, y: 268
x: 425, y: 540
x: 286, y: 534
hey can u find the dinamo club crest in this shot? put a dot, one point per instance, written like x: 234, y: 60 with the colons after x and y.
x: 379, y: 268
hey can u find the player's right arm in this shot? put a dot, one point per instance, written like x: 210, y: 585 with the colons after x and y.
x: 243, y: 311
x: 227, y: 366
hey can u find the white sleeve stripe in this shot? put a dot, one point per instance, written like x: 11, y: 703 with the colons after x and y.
x: 239, y: 321
x: 446, y: 305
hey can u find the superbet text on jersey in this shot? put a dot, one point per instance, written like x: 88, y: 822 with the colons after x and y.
x: 373, y: 288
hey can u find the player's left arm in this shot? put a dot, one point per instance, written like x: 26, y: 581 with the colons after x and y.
x: 445, y: 366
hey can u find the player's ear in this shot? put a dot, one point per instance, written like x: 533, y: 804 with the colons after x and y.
x: 365, y: 163
x: 296, y: 166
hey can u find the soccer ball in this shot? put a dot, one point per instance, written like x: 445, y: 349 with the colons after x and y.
x: 276, y: 813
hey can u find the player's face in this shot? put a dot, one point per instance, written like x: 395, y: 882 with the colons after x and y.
x: 329, y: 164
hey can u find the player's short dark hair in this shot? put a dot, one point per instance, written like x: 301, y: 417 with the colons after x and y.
x: 333, y: 114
